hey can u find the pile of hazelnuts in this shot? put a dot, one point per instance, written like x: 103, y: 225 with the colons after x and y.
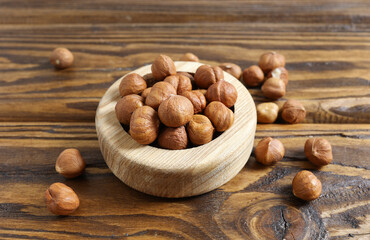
x: 166, y: 107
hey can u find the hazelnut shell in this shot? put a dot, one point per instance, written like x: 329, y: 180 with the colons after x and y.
x: 271, y: 60
x: 162, y: 67
x: 197, y: 99
x: 222, y: 91
x: 175, y: 111
x: 221, y: 117
x: 61, y: 199
x: 273, y: 88
x: 269, y: 151
x: 306, y: 186
x: 267, y: 112
x: 173, y: 138
x: 253, y: 76
x: 159, y: 92
x: 144, y: 125
x: 200, y: 130
x: 180, y: 82
x: 293, y: 112
x: 70, y: 163
x: 318, y: 151
x: 132, y: 83
x: 126, y: 106
x: 206, y: 75
x: 61, y: 58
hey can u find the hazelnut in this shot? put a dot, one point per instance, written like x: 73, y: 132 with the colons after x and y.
x: 145, y: 93
x: 126, y: 106
x: 162, y: 67
x: 70, y: 163
x: 197, y: 99
x: 306, y: 186
x: 144, y: 125
x: 189, y: 57
x: 221, y: 116
x: 222, y: 91
x: 280, y: 73
x: 293, y: 111
x: 253, y: 76
x: 231, y: 68
x: 318, y: 151
x: 173, y: 138
x: 267, y: 112
x: 273, y: 88
x: 271, y: 60
x: 269, y: 151
x: 149, y: 79
x: 180, y: 83
x: 206, y: 75
x: 160, y: 92
x: 175, y: 111
x: 61, y: 199
x: 61, y: 58
x: 200, y: 130
x: 132, y: 83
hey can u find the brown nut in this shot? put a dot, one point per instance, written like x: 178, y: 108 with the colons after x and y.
x: 203, y: 91
x: 269, y: 151
x: 306, y: 186
x: 197, y: 99
x: 221, y: 116
x: 145, y: 93
x: 180, y: 82
x: 222, y: 91
x: 293, y: 111
x: 186, y: 74
x: 149, y: 79
x: 273, y: 88
x: 231, y: 68
x: 61, y: 199
x: 126, y: 106
x: 206, y: 75
x: 318, y: 151
x: 144, y: 125
x: 253, y: 76
x: 267, y: 112
x: 70, y: 163
x: 160, y: 92
x: 271, y: 60
x: 162, y: 67
x: 189, y: 57
x: 61, y: 58
x: 200, y: 130
x: 175, y: 111
x: 132, y: 83
x: 280, y: 73
x: 173, y: 138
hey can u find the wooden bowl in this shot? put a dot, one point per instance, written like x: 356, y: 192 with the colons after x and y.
x: 176, y: 173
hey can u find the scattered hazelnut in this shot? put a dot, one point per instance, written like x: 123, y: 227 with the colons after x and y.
x: 126, y: 106
x: 160, y: 92
x: 222, y: 91
x: 180, y: 82
x: 162, y: 67
x: 318, y: 151
x: 293, y: 111
x: 206, y: 75
x: 253, y: 76
x: 189, y: 57
x: 173, y: 138
x: 61, y: 199
x: 200, y: 130
x: 197, y: 99
x: 280, y: 73
x: 231, y: 68
x: 273, y: 88
x: 61, y: 58
x: 269, y: 151
x: 145, y: 93
x: 221, y: 116
x: 70, y: 163
x: 267, y: 112
x: 306, y: 186
x: 132, y: 83
x: 175, y: 111
x: 144, y: 125
x: 271, y: 60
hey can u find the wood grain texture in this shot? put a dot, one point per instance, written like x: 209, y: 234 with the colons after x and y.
x: 43, y: 111
x: 181, y: 173
x: 257, y: 201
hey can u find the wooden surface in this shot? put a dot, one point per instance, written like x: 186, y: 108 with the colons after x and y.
x: 43, y: 111
x: 182, y: 173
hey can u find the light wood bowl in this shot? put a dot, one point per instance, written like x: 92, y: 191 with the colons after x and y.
x: 176, y: 173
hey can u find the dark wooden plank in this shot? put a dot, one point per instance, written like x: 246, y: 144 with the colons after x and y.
x: 329, y: 71
x: 131, y: 11
x: 256, y: 204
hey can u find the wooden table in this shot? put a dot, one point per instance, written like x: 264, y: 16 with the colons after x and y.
x: 43, y: 111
